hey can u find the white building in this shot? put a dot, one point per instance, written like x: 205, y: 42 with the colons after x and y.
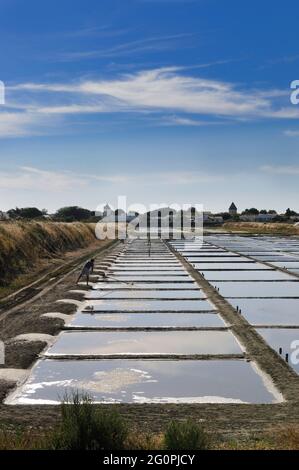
x: 248, y: 218
x: 107, y: 211
x: 265, y: 217
x: 257, y: 217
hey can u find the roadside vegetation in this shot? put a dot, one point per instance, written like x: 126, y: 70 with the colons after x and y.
x: 24, y: 244
x: 84, y: 426
x: 261, y: 228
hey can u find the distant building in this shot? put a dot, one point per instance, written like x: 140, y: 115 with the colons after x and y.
x: 107, y: 211
x: 257, y: 217
x: 4, y: 216
x: 232, y: 209
x: 210, y: 219
x: 248, y: 217
x: 265, y: 217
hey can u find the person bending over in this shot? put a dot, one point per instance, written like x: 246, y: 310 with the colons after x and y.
x: 86, y: 271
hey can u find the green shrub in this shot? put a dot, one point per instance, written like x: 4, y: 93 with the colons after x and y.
x: 86, y: 427
x: 186, y: 435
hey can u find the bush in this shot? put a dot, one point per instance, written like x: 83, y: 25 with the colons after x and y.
x: 86, y: 427
x: 186, y: 435
x: 26, y: 213
x: 72, y: 213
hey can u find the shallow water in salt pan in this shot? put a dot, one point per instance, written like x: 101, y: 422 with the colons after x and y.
x: 233, y: 266
x: 247, y: 275
x: 150, y: 269
x: 258, y: 289
x: 144, y: 285
x: 144, y: 343
x: 125, y: 305
x: 145, y: 381
x: 218, y: 259
x: 148, y: 277
x: 146, y: 320
x: 146, y: 294
x: 285, y: 338
x: 269, y: 311
x: 178, y: 274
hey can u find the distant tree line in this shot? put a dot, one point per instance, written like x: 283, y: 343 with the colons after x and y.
x: 64, y: 214
x: 26, y: 213
x: 254, y: 211
x: 76, y: 213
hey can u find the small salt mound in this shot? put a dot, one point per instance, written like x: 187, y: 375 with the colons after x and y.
x: 33, y: 337
x: 62, y: 316
x: 69, y: 301
x: 13, y: 375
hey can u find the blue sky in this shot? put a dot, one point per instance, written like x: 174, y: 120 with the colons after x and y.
x: 164, y: 101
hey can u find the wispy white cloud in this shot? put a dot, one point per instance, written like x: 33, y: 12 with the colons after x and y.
x: 21, y: 124
x: 183, y: 121
x: 104, y: 31
x: 287, y: 59
x: 166, y: 88
x: 31, y: 178
x: 281, y: 169
x: 163, y: 90
x: 290, y: 112
x: 161, y: 177
x: 150, y: 44
x: 185, y: 177
x: 28, y: 178
x: 291, y: 133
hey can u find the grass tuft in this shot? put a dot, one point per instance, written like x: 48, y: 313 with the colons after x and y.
x: 186, y: 435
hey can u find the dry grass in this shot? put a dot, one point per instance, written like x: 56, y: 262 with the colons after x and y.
x: 280, y: 438
x: 262, y: 228
x: 22, y: 440
x: 286, y: 438
x: 23, y: 244
x: 144, y: 441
